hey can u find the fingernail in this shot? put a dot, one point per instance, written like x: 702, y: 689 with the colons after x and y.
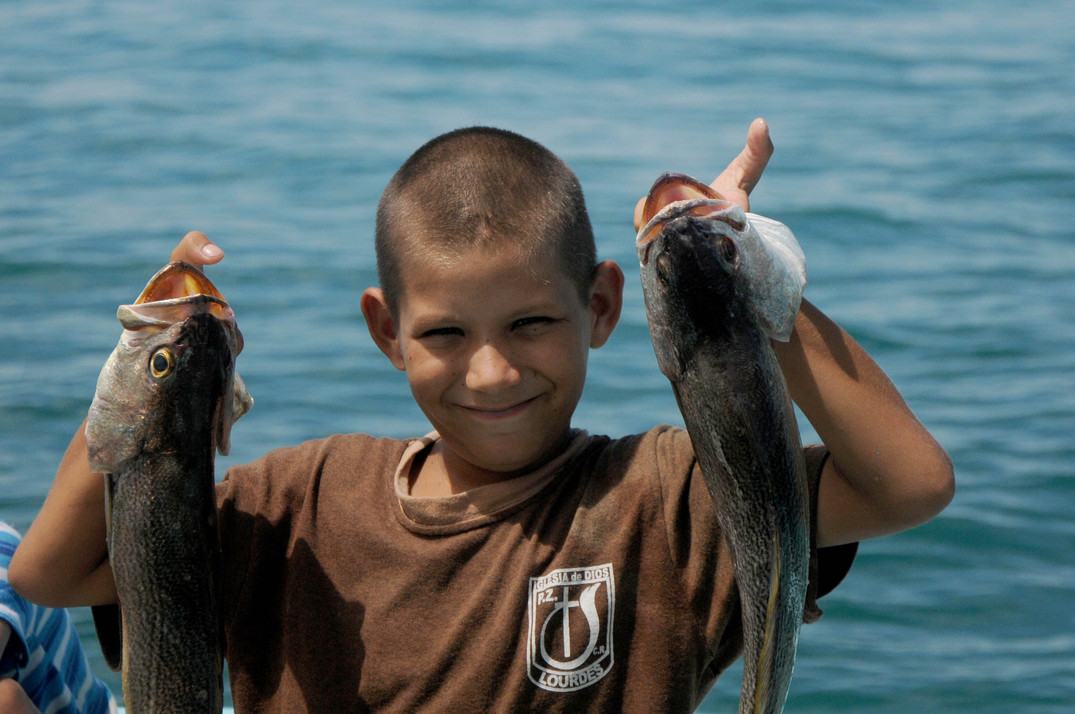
x: 209, y: 250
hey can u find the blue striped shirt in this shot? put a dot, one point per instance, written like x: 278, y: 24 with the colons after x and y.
x: 44, y: 653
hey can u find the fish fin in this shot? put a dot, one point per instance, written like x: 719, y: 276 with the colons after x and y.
x: 779, y: 308
x: 241, y: 401
x: 767, y: 656
x: 108, y: 622
x: 232, y: 406
x: 109, y: 486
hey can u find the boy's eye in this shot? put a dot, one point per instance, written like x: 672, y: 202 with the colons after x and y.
x: 532, y: 323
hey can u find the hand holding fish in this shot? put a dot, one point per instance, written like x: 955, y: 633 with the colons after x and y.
x: 703, y: 274
x: 737, y: 181
x: 165, y: 401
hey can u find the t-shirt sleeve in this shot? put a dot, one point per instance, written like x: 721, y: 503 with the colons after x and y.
x: 828, y: 566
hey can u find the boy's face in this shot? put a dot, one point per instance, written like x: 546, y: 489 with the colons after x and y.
x: 495, y: 350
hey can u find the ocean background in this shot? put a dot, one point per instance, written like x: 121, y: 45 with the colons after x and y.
x: 925, y: 158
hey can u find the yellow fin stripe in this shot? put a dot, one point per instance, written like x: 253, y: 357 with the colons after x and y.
x: 767, y: 655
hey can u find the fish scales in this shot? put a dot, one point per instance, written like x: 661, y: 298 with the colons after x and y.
x: 711, y: 329
x: 164, y: 404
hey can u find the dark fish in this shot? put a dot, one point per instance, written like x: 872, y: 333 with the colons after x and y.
x: 716, y: 293
x: 166, y: 399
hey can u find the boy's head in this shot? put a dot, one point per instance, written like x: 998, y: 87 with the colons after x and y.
x: 490, y: 300
x: 480, y: 187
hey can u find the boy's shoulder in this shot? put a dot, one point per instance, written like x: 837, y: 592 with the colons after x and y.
x: 663, y: 448
x: 335, y: 446
x: 644, y: 468
x: 331, y: 459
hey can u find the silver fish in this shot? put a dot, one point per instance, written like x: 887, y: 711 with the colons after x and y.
x: 715, y: 294
x: 166, y: 399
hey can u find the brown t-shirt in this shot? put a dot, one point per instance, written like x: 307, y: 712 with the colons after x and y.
x: 600, y: 583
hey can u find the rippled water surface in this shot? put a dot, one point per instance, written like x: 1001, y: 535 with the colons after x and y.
x: 925, y: 159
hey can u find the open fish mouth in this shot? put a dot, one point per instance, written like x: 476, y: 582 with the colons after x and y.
x: 178, y: 291
x: 177, y: 280
x: 674, y: 196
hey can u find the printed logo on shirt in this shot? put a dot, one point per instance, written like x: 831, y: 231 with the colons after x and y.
x: 570, y: 627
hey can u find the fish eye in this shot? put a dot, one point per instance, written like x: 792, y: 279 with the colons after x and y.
x: 161, y: 363
x: 664, y: 267
x: 728, y: 250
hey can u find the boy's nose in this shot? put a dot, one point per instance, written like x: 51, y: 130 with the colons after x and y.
x: 490, y: 368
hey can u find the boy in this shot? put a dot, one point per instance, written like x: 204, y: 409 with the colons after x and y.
x: 507, y: 562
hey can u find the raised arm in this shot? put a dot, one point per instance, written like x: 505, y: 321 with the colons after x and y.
x: 62, y: 560
x: 886, y: 472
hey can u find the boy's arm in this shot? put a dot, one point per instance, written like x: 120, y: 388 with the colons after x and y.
x: 886, y: 473
x: 63, y: 560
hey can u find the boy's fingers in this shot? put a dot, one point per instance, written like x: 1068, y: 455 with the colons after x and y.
x: 197, y: 249
x: 638, y: 212
x: 743, y: 173
x: 752, y: 160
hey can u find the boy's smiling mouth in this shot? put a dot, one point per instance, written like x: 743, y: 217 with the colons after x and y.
x: 499, y: 412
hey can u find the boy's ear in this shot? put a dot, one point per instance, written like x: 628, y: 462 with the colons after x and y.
x: 606, y: 301
x: 382, y: 326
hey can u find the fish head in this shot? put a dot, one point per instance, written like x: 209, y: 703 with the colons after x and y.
x: 704, y: 261
x: 690, y: 253
x: 172, y: 376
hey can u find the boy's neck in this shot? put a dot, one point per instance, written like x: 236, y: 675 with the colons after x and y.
x: 435, y: 473
x: 428, y: 477
x: 432, y: 478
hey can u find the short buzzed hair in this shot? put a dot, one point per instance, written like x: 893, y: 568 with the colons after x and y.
x: 483, y: 186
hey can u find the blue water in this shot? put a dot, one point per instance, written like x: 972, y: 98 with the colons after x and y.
x: 925, y: 159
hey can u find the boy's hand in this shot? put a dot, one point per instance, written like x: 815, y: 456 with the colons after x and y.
x: 198, y: 250
x: 737, y: 181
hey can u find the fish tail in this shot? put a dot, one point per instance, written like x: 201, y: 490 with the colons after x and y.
x: 767, y: 656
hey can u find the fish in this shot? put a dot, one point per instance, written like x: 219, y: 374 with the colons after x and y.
x: 165, y: 401
x: 718, y: 285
